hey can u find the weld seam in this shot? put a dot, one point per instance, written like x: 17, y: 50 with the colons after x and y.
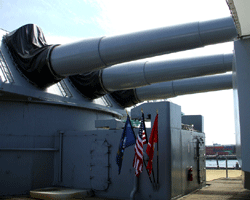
x: 99, y: 53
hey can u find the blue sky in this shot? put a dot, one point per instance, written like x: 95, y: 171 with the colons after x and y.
x: 64, y: 21
x: 57, y: 17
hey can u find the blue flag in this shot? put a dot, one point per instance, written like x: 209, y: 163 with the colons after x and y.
x: 127, y: 139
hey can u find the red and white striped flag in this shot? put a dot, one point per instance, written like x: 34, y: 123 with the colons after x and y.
x: 138, y: 159
x: 142, y: 130
x: 144, y: 139
x: 140, y: 141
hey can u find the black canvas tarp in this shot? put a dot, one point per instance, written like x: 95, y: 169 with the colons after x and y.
x: 89, y: 84
x: 125, y: 98
x: 30, y: 51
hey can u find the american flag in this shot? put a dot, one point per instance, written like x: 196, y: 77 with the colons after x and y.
x: 144, y: 138
x: 140, y: 141
x: 142, y: 130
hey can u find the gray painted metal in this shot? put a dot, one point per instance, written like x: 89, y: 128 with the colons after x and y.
x: 241, y: 85
x: 196, y: 120
x: 176, y: 146
x: 78, y: 170
x: 28, y: 149
x: 29, y: 142
x: 137, y: 74
x: 60, y: 156
x: 87, y: 160
x: 184, y: 86
x: 93, y: 54
x: 99, y: 165
x: 109, y: 124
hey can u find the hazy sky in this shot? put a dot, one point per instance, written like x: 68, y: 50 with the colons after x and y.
x: 64, y: 21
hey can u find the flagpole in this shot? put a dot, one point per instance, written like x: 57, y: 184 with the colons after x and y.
x: 154, y: 177
x: 158, y: 165
x: 153, y: 173
x: 157, y: 157
x: 153, y: 183
x: 144, y: 126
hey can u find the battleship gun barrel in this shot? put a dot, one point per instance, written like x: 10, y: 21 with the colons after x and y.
x: 97, y: 53
x: 169, y: 89
x: 138, y: 74
x: 44, y: 65
x: 185, y: 86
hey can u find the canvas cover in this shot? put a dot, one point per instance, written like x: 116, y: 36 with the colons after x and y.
x: 30, y: 52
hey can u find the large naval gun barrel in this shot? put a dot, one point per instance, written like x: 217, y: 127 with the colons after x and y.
x: 127, y: 98
x: 45, y: 64
x: 138, y: 74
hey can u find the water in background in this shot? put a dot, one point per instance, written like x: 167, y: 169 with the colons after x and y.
x: 222, y: 163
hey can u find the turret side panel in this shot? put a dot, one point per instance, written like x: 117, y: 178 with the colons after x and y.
x: 29, y: 142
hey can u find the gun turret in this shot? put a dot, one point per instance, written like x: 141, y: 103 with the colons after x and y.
x: 45, y: 64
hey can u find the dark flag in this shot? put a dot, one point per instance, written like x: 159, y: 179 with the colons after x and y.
x: 150, y: 148
x: 127, y: 139
x: 141, y: 139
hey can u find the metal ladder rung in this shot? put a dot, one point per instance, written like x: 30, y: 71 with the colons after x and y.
x: 5, y: 69
x: 64, y: 89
